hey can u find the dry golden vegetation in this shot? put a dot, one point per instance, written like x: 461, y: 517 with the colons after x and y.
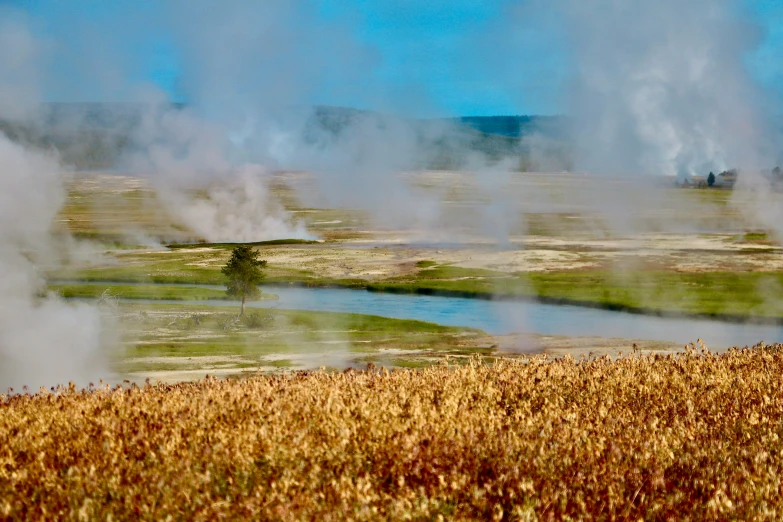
x: 694, y: 436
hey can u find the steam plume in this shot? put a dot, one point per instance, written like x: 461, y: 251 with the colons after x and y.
x: 188, y: 160
x: 43, y: 341
x: 662, y: 87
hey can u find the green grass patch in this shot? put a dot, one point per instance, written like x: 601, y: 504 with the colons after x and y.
x: 452, y: 280
x: 202, y: 267
x: 359, y: 324
x: 162, y: 292
x: 411, y: 364
x: 740, y: 294
x: 135, y: 274
x: 448, y: 272
x: 755, y: 236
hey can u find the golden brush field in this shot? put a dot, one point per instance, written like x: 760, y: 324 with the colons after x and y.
x: 693, y: 436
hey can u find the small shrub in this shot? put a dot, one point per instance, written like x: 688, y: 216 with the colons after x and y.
x: 190, y: 322
x: 257, y: 319
x: 227, y: 322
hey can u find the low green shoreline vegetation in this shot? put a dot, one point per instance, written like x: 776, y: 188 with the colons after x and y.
x: 726, y: 295
x: 230, y: 246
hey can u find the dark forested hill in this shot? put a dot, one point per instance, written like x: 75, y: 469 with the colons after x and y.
x: 517, y: 126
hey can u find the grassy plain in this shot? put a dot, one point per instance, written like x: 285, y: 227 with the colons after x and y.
x: 665, y: 251
x: 726, y: 266
x: 688, y: 437
x: 118, y: 211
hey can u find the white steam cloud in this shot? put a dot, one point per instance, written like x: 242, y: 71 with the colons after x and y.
x: 188, y: 160
x: 662, y: 87
x: 43, y: 341
x: 243, y: 78
x: 238, y: 209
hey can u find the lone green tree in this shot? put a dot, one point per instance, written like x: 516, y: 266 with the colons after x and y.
x: 244, y: 271
x: 711, y: 179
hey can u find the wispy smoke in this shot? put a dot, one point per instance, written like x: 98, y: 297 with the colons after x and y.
x: 251, y: 82
x: 361, y: 167
x: 250, y: 75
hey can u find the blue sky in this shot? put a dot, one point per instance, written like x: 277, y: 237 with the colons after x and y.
x: 438, y: 57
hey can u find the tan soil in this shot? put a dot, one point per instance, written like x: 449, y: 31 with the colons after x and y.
x: 195, y: 368
x: 681, y: 253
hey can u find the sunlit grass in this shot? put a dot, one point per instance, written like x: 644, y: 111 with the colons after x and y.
x: 154, y: 292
